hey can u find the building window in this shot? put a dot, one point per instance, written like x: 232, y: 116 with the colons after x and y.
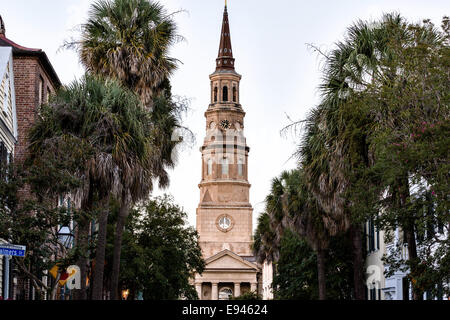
x: 373, y: 237
x: 225, y: 94
x: 215, y: 94
x: 6, y: 97
x: 47, y: 96
x: 41, y: 90
x: 224, y: 166
x: 210, y: 163
x: 234, y: 94
x: 240, y: 167
x: 225, y: 294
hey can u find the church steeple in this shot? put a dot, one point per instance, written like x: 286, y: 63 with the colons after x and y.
x: 225, y: 60
x: 224, y: 214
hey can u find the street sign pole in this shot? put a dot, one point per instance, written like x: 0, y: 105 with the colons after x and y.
x: 6, y: 284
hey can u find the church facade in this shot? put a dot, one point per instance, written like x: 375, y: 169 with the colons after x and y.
x: 224, y: 214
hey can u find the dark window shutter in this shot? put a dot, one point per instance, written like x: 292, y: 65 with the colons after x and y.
x: 405, y: 285
x: 378, y: 239
x: 3, y: 160
x: 371, y: 236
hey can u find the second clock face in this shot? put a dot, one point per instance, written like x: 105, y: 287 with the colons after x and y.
x: 225, y: 124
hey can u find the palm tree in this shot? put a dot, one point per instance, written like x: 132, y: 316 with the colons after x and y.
x: 291, y: 206
x: 129, y: 40
x: 335, y: 143
x: 335, y: 148
x: 305, y: 218
x: 109, y: 130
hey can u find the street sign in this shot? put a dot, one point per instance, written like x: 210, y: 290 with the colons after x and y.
x: 12, y: 250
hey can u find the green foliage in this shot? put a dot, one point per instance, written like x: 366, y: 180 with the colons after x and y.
x: 376, y: 146
x: 101, y: 126
x: 129, y: 40
x: 159, y: 253
x: 27, y: 218
x: 249, y: 296
x: 411, y: 104
x: 296, y: 270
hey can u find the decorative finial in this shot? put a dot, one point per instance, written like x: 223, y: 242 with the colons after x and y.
x: 2, y: 26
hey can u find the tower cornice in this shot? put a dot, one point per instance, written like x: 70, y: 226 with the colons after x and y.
x: 220, y: 107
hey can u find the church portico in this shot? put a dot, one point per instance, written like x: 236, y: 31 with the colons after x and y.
x: 226, y: 273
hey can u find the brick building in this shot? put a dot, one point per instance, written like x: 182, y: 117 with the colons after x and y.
x: 32, y: 81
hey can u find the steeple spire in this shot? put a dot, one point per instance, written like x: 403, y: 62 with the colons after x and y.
x: 2, y: 25
x: 225, y: 58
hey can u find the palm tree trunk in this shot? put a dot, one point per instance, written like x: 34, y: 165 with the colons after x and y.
x: 358, y: 262
x: 408, y: 229
x: 321, y: 274
x: 412, y: 257
x: 82, y: 243
x: 97, y: 283
x: 123, y: 213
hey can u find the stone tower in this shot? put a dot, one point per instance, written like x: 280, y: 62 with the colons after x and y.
x: 224, y: 214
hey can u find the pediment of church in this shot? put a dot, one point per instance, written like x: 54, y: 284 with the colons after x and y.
x: 229, y: 260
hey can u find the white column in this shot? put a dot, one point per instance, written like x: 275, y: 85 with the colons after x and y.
x: 215, y: 291
x: 198, y: 288
x: 237, y: 289
x: 253, y: 287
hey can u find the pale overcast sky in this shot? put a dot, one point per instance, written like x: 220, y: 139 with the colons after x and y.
x: 269, y: 38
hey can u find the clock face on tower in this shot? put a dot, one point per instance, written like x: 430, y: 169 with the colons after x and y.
x: 224, y: 223
x: 225, y: 124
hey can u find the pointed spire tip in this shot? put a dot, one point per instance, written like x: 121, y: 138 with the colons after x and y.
x: 2, y: 26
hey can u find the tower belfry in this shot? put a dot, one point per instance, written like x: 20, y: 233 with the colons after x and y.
x: 224, y: 214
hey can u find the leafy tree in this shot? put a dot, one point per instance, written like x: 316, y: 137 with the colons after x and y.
x: 296, y: 273
x: 410, y: 102
x: 378, y: 86
x: 160, y: 254
x: 33, y: 219
x: 296, y: 270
